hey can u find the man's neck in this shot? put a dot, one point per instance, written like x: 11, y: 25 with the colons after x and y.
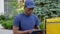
x: 26, y: 14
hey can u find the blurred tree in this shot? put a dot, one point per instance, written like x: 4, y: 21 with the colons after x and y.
x: 12, y: 7
x: 20, y: 7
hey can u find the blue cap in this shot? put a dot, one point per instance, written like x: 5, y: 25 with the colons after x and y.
x: 29, y: 3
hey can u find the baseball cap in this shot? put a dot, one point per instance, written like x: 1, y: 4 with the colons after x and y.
x: 29, y: 3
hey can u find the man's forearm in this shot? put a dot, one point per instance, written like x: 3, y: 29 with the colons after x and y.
x: 21, y: 32
x: 25, y: 32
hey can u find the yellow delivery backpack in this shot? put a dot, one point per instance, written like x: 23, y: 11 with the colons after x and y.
x: 52, y: 26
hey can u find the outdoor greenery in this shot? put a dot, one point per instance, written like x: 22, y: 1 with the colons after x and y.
x: 6, y: 21
x: 47, y: 8
x: 12, y: 5
x: 42, y: 25
x: 7, y: 24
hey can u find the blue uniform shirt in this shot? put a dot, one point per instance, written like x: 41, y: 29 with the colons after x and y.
x: 26, y: 22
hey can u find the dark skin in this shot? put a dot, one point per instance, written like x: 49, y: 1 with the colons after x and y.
x: 28, y: 11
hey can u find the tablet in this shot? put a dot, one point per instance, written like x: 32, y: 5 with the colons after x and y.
x: 38, y: 32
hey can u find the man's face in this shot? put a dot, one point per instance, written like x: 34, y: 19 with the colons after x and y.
x: 28, y: 11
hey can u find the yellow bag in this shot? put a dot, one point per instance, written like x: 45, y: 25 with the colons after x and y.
x: 53, y: 26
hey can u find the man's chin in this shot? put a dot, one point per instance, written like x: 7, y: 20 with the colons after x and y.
x: 28, y: 14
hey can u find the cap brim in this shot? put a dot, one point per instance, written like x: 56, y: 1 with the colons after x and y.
x: 30, y: 6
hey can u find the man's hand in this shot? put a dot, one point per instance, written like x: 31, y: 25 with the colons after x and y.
x: 30, y: 31
x: 16, y: 31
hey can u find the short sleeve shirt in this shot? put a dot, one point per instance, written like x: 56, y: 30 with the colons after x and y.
x: 26, y: 22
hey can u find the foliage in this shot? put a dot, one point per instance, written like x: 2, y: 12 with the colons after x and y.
x: 15, y: 7
x: 12, y: 6
x: 7, y: 24
x: 20, y: 7
x: 6, y: 21
x: 5, y: 17
x: 2, y: 17
x: 1, y: 21
x: 42, y: 26
x: 47, y: 8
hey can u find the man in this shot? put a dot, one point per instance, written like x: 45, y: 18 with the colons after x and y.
x: 26, y: 22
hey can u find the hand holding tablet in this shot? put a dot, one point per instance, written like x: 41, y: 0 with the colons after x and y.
x: 38, y: 32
